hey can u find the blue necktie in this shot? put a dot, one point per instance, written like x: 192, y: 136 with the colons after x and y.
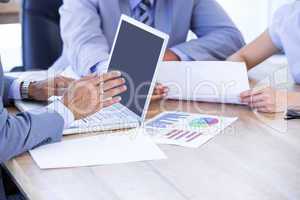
x: 143, y: 12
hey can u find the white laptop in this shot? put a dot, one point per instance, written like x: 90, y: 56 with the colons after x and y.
x: 137, y: 52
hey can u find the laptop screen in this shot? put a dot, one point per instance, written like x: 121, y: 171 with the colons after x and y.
x: 136, y: 54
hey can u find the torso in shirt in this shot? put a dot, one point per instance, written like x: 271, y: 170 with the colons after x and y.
x: 286, y: 27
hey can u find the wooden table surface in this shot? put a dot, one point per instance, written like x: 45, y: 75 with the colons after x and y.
x: 257, y: 158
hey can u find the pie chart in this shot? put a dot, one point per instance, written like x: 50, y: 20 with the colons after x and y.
x: 203, y: 122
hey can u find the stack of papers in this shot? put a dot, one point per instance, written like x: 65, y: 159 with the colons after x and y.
x: 186, y: 129
x: 122, y: 147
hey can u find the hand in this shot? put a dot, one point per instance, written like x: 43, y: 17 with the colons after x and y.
x: 160, y: 92
x: 92, y: 93
x: 43, y: 90
x: 266, y: 100
x: 171, y: 56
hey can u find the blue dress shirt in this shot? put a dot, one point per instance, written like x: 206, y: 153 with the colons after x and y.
x: 88, y: 28
x: 102, y: 66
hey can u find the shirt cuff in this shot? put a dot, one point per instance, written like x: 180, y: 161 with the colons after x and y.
x: 181, y: 55
x: 63, y: 111
x: 14, y: 90
x: 100, y: 68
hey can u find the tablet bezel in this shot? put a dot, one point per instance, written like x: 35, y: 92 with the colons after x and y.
x: 164, y: 36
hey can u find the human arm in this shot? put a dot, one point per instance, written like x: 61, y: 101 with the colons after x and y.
x: 256, y: 52
x: 218, y: 37
x: 84, y: 41
x: 24, y: 131
x: 84, y: 97
x: 266, y: 99
x: 38, y: 90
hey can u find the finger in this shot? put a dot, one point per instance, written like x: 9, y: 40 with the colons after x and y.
x: 111, y: 101
x: 114, y: 92
x: 158, y: 92
x: 159, y: 86
x: 157, y: 97
x: 254, y: 99
x: 165, y: 90
x: 107, y: 76
x: 263, y: 109
x: 250, y: 93
x: 261, y: 104
x: 113, y: 83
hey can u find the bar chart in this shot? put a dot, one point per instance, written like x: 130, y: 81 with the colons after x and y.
x: 189, y: 121
x: 167, y: 120
x: 186, y: 129
x: 187, y: 136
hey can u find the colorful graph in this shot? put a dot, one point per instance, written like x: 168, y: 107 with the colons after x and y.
x: 186, y: 136
x: 203, y: 122
x: 172, y: 120
x: 186, y: 129
x: 167, y: 120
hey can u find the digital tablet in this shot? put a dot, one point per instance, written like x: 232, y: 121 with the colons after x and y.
x: 137, y: 52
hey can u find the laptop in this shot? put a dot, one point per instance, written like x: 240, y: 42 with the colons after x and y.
x: 137, y: 52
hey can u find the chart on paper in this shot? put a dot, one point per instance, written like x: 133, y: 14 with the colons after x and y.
x: 187, y: 136
x: 186, y: 129
x: 185, y: 121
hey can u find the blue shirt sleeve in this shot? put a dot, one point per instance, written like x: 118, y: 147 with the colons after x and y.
x: 181, y: 54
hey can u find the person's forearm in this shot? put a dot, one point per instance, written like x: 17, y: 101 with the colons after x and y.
x: 256, y: 52
x: 218, y: 37
x: 209, y: 47
x: 238, y: 57
x: 293, y: 99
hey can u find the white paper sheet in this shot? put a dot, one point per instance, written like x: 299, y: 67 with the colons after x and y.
x: 122, y: 147
x: 206, y: 81
x: 186, y: 129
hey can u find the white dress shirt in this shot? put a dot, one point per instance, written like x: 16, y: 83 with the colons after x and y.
x: 284, y: 32
x: 56, y: 106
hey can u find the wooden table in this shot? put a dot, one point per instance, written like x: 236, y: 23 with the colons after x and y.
x: 256, y: 158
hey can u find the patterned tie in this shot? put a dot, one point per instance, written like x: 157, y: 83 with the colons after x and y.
x: 143, y: 12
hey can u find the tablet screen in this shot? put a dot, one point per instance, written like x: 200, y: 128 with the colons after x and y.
x: 136, y: 54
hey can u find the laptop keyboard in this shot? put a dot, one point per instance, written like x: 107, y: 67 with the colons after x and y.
x: 113, y: 115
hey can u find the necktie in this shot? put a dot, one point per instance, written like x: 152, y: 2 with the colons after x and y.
x: 143, y: 12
